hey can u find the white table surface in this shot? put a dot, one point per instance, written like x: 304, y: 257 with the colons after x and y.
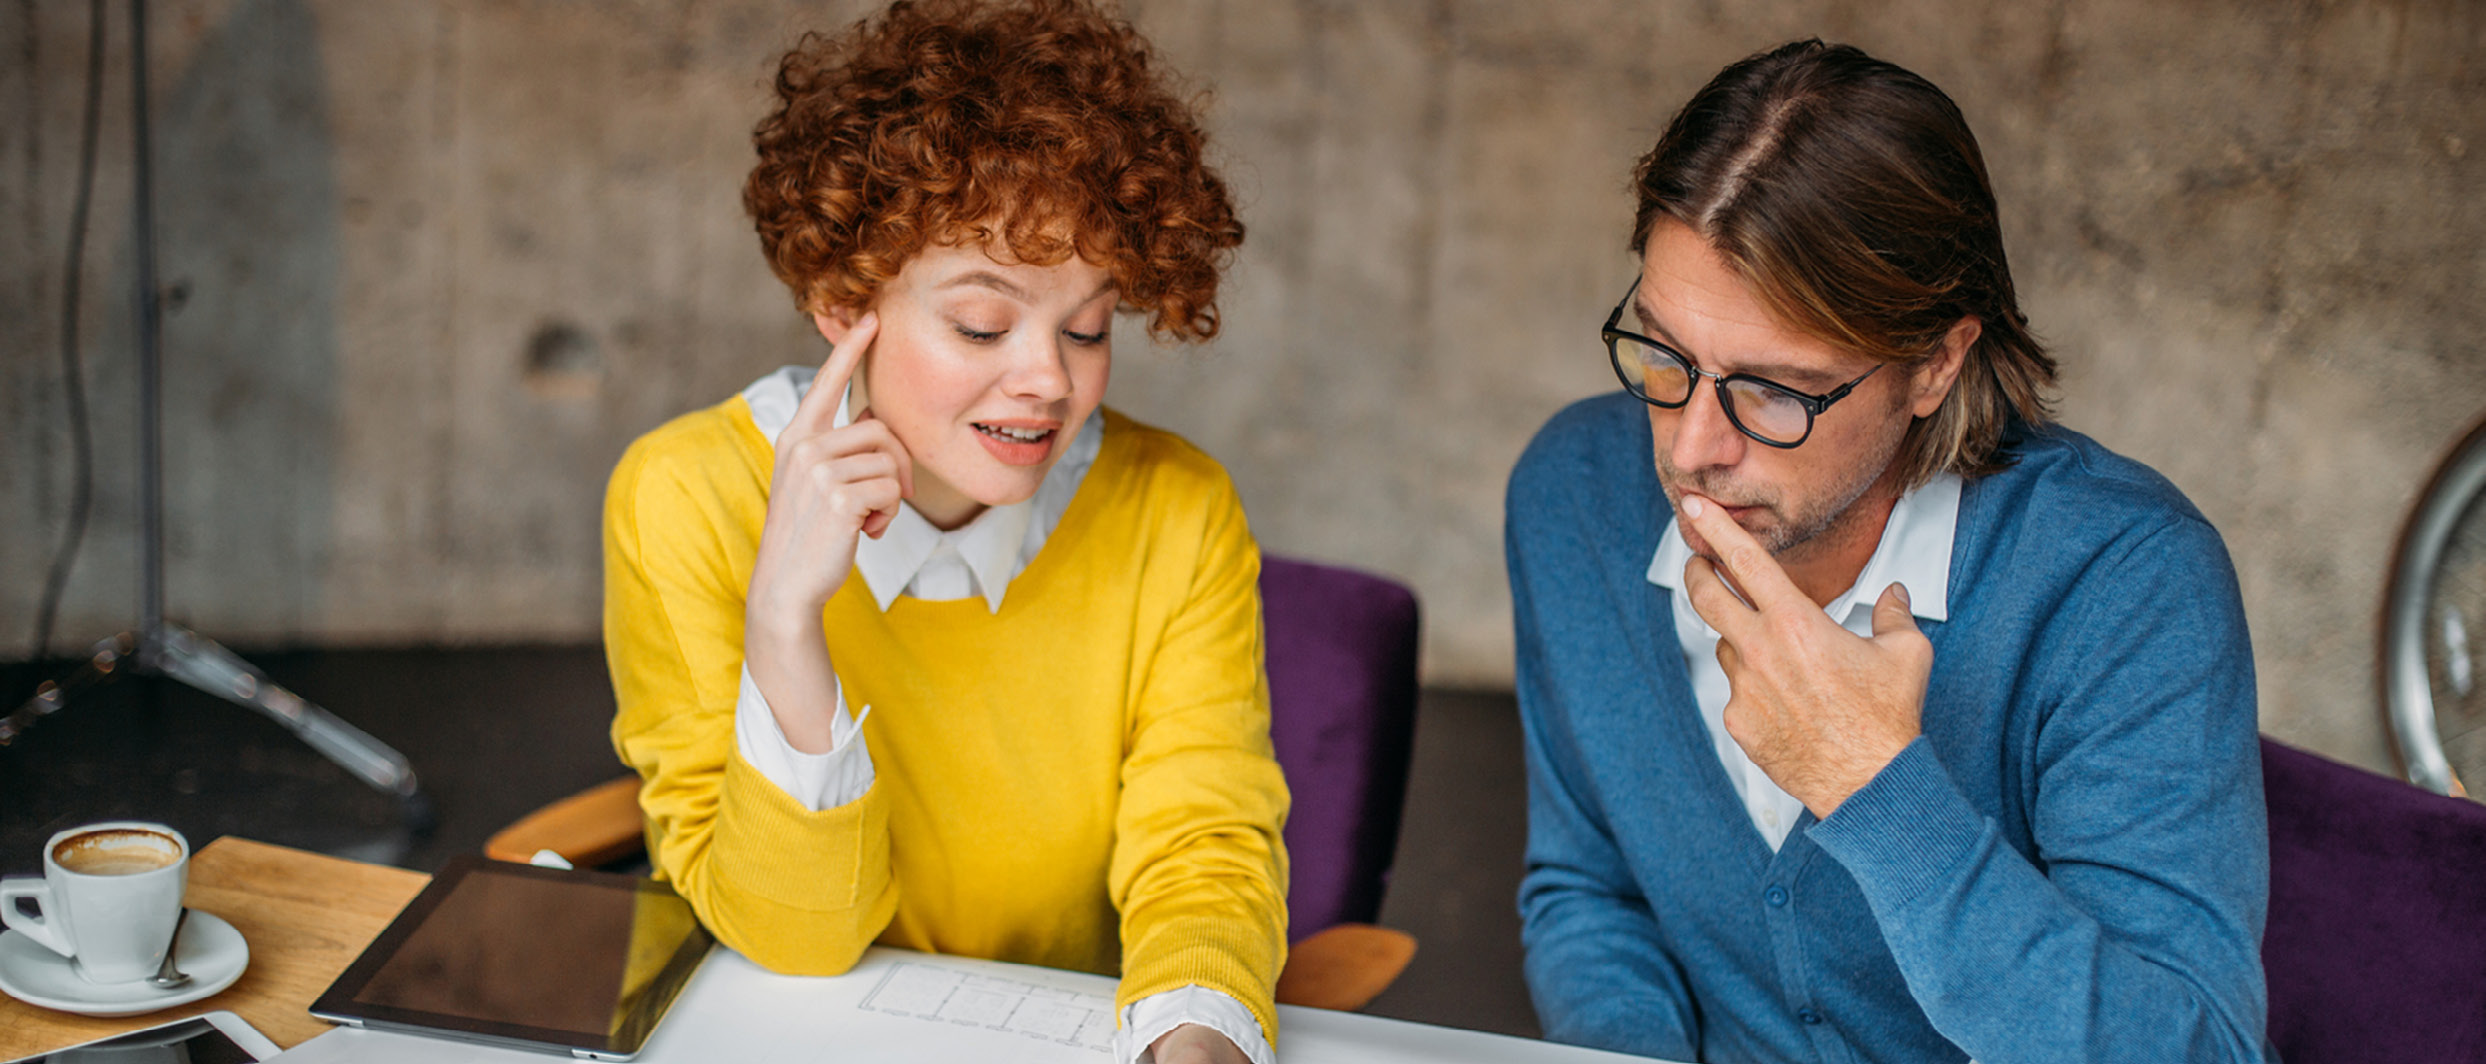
x: 902, y: 1006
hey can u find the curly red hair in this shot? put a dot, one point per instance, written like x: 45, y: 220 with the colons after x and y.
x: 1034, y: 128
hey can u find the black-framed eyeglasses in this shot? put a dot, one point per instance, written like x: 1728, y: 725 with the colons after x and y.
x: 1759, y: 407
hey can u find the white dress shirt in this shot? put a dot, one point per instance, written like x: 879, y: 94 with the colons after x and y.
x: 1915, y: 551
x: 979, y: 559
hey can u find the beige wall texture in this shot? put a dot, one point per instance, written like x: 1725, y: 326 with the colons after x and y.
x: 436, y: 263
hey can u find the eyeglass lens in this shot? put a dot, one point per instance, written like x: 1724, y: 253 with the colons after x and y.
x: 1661, y: 375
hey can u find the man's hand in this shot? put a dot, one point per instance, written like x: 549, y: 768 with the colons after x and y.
x: 1194, y: 1043
x: 1820, y: 709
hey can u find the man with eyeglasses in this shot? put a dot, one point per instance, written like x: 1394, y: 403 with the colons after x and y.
x: 1869, y: 714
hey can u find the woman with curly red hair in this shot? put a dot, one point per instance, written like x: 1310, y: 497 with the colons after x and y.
x: 1042, y: 615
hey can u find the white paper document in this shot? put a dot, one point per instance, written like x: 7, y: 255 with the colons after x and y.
x: 938, y: 994
x: 901, y: 1006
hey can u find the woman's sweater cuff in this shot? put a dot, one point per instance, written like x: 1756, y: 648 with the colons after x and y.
x: 816, y: 781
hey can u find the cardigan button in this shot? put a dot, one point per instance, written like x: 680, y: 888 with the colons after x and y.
x: 1776, y: 896
x: 1810, y: 1018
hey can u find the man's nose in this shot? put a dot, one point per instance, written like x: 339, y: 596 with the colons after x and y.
x: 1704, y: 437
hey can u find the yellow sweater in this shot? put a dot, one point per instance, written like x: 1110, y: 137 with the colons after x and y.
x: 1082, y: 780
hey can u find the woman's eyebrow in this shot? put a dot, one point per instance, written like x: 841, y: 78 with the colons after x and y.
x: 1003, y: 285
x: 988, y: 279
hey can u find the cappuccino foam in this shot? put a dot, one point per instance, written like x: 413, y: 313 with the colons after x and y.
x: 117, y: 852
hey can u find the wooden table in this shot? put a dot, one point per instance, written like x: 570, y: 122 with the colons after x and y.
x: 305, y: 916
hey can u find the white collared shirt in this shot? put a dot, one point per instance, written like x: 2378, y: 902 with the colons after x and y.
x: 1915, y: 551
x: 978, y: 559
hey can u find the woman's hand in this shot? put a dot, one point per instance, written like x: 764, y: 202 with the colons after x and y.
x: 1194, y: 1043
x: 830, y: 485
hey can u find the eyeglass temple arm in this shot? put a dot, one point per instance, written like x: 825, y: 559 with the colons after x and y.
x: 1616, y: 317
x: 1824, y: 402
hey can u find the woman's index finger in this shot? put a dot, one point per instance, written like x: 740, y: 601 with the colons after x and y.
x: 817, y: 413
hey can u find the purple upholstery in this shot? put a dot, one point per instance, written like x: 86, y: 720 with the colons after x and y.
x: 2376, y: 948
x: 1342, y: 695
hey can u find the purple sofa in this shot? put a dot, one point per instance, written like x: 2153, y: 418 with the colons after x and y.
x: 2376, y: 947
x: 1342, y: 694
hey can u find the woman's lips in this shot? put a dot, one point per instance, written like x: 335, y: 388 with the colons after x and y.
x: 1017, y: 443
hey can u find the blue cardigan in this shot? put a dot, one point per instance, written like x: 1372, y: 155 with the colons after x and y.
x: 2070, y: 864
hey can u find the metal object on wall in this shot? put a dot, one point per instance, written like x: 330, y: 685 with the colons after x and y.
x: 157, y: 647
x: 2434, y: 627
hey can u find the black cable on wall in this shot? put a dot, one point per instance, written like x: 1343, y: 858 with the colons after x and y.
x: 82, y: 444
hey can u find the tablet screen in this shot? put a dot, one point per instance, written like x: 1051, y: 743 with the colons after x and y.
x: 503, y: 952
x: 194, y: 1040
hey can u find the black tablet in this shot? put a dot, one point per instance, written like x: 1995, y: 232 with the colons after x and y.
x: 213, y: 1038
x: 582, y: 963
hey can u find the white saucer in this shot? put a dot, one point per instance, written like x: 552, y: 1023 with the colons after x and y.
x: 210, y: 950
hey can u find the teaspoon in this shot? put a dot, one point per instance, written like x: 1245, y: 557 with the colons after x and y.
x: 169, y: 977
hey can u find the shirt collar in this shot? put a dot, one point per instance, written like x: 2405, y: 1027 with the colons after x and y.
x: 1915, y: 550
x: 989, y: 545
x: 996, y: 546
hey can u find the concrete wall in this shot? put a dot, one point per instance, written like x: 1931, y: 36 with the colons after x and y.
x: 441, y: 261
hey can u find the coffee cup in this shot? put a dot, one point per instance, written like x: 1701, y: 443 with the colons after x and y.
x: 108, y: 898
